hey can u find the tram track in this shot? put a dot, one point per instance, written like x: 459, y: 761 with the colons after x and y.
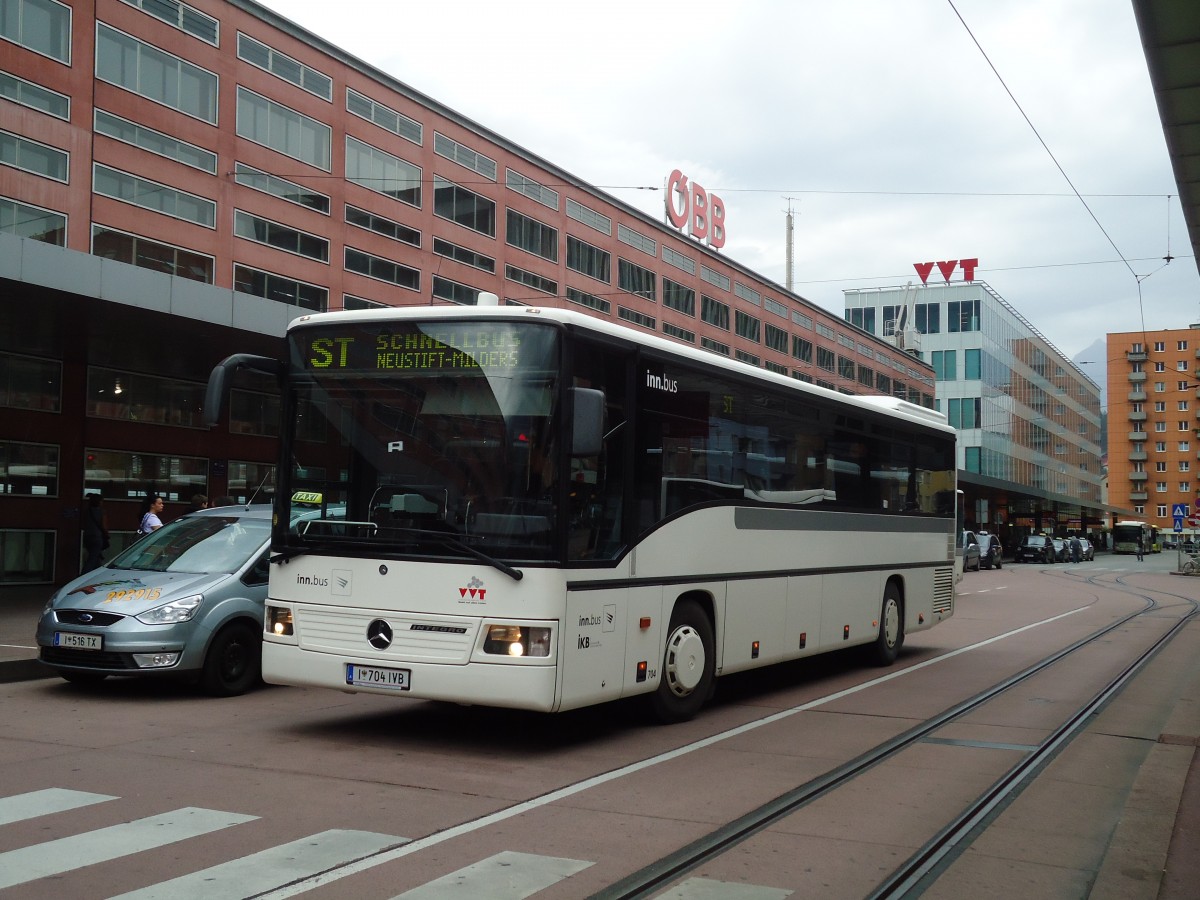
x: 922, y: 868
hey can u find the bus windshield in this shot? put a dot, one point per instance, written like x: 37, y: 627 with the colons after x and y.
x: 423, y: 439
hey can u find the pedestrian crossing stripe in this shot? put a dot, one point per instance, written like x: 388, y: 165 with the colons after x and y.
x: 44, y: 803
x: 75, y: 852
x: 505, y: 876
x: 270, y: 869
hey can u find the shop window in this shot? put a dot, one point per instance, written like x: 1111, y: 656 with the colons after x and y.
x: 28, y: 556
x: 28, y: 470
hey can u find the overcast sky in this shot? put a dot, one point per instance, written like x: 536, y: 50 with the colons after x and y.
x: 881, y: 119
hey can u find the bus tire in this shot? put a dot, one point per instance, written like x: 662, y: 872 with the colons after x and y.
x: 234, y: 661
x: 688, y: 663
x: 891, y: 628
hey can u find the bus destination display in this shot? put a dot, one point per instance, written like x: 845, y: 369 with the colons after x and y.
x: 455, y: 349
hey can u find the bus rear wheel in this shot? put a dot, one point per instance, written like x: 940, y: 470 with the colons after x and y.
x: 688, y: 663
x: 891, y: 628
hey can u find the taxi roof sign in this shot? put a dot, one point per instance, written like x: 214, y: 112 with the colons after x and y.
x: 310, y: 497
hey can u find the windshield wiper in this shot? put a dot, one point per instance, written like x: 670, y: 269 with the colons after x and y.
x: 445, y: 540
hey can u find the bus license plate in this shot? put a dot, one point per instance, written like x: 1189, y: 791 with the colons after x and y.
x: 372, y: 676
x: 78, y: 641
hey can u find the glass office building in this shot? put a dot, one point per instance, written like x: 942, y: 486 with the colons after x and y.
x: 1028, y: 418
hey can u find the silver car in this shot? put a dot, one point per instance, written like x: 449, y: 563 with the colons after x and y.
x: 186, y: 599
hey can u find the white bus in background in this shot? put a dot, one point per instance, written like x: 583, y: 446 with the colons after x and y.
x: 1125, y: 537
x: 536, y: 509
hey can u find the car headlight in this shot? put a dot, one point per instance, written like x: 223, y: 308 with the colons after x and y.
x: 170, y: 613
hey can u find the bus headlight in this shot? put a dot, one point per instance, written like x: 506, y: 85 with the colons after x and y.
x: 517, y: 640
x: 277, y: 621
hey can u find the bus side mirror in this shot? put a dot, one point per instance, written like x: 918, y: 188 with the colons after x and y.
x: 222, y: 374
x: 587, y: 431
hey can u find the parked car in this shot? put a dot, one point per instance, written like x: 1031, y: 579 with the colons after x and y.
x: 1062, y: 550
x: 185, y: 600
x: 1089, y: 552
x: 990, y: 552
x: 1035, y: 548
x: 970, y: 548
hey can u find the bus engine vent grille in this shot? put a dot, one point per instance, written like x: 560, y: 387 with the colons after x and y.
x: 943, y: 590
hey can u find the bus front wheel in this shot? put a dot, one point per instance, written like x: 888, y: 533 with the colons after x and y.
x: 688, y: 662
x: 891, y: 628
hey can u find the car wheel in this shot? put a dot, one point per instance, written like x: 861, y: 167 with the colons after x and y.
x: 82, y: 678
x: 234, y: 661
x: 689, y: 660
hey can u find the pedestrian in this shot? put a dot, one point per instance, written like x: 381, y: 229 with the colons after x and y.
x: 224, y: 501
x: 95, y: 532
x: 199, y: 502
x: 1076, y: 549
x: 1141, y: 548
x: 151, y: 514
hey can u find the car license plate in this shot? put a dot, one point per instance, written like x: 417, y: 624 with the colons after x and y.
x: 78, y: 641
x: 372, y: 676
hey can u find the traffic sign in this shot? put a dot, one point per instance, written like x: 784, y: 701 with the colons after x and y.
x: 1179, y: 523
x: 1180, y: 510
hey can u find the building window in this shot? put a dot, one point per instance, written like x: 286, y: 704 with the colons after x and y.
x: 679, y: 333
x: 32, y: 222
x: 28, y: 470
x: 588, y: 260
x: 1184, y: 425
x: 826, y: 360
x: 462, y: 294
x: 27, y: 382
x: 464, y: 255
x: 1181, y: 365
x: 531, y: 236
x: 775, y: 338
x: 34, y: 157
x: 589, y: 300
x: 1184, y: 447
x: 147, y: 254
x: 745, y: 325
x: 678, y: 260
x: 635, y: 279
x: 636, y: 318
x: 382, y: 269
x: 775, y: 367
x: 153, y: 196
x: 945, y: 365
x: 283, y: 66
x: 1162, y: 511
x: 678, y: 297
x: 383, y: 116
x: 280, y: 289
x: 748, y: 358
x: 281, y: 237
x: 149, y: 399
x: 802, y: 320
x: 929, y: 319
x: 1185, y: 465
x: 361, y: 218
x: 450, y: 149
x: 1160, y: 366
x: 250, y: 177
x: 971, y: 361
x: 155, y: 74
x: 883, y: 384
x: 349, y: 301
x: 180, y: 15
x: 1181, y: 345
x: 802, y: 349
x: 1183, y: 406
x: 515, y: 181
x: 627, y: 235
x: 381, y: 172
x: 802, y: 376
x: 284, y: 130
x: 155, y: 142
x: 846, y: 368
x: 714, y: 346
x: 866, y: 376
x: 1181, y: 385
x: 531, y: 279
x: 747, y: 293
x: 1160, y: 346
x: 715, y: 278
x: 588, y: 216
x: 463, y: 207
x: 1160, y: 426
x: 775, y: 307
x: 28, y: 556
x: 42, y: 26
x: 126, y: 475
x: 26, y: 93
x: 714, y: 312
x: 1160, y: 487
x: 825, y: 331
x: 863, y: 317
x: 963, y: 315
x: 1160, y: 387
x: 1159, y: 406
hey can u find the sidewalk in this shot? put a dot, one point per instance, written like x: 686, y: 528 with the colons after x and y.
x: 20, y: 608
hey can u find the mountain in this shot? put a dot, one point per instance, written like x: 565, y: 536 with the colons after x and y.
x: 1093, y: 360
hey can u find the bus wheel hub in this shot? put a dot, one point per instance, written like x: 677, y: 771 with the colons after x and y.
x: 685, y: 661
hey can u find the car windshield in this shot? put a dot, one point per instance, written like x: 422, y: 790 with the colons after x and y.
x: 204, y: 544
x: 1035, y: 541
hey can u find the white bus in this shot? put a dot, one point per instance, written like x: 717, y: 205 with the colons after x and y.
x: 532, y: 508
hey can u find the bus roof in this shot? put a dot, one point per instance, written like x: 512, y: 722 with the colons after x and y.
x: 892, y: 406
